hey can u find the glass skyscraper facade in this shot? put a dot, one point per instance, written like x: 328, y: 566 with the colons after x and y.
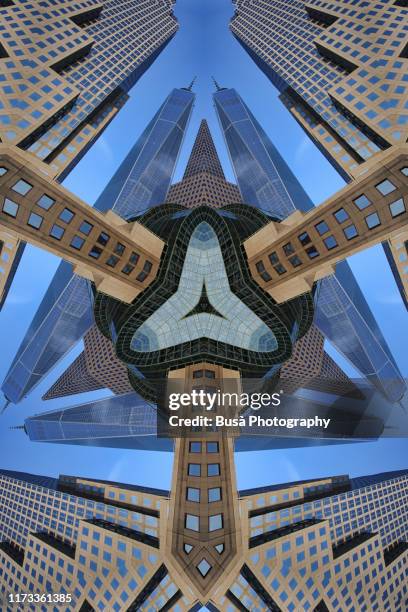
x: 128, y: 421
x: 264, y: 178
x: 141, y: 181
x: 122, y: 421
x: 266, y: 181
x: 144, y: 177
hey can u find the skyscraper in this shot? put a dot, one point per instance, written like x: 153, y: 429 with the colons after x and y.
x: 97, y: 367
x: 141, y: 181
x: 128, y: 421
x: 66, y: 70
x: 123, y: 421
x: 281, y: 261
x: 264, y: 178
x: 311, y: 367
x: 341, y: 71
x: 208, y: 297
x: 143, y: 178
x: 266, y: 181
x: 204, y: 180
x: 321, y: 544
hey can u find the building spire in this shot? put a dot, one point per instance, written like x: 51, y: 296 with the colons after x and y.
x: 204, y: 157
x: 22, y: 427
x: 190, y: 87
x: 217, y: 85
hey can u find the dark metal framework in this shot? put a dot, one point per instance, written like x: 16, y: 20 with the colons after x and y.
x: 232, y: 225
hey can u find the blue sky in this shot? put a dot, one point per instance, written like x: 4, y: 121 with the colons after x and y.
x: 202, y: 47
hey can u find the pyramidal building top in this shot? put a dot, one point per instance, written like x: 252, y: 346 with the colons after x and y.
x: 204, y: 182
x: 204, y: 157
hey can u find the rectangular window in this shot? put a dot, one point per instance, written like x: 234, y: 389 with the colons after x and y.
x: 85, y: 228
x: 192, y: 522
x: 22, y: 187
x: 194, y: 469
x: 95, y: 252
x: 215, y: 522
x: 103, y: 239
x: 141, y: 277
x: 45, y: 202
x: 312, y: 252
x: 134, y: 258
x: 350, y: 232
x: 57, y: 232
x: 195, y: 447
x: 213, y: 469
x: 295, y: 261
x: 127, y: 269
x: 385, y: 187
x: 372, y: 220
x: 362, y: 202
x: 35, y: 220
x: 262, y: 272
x: 341, y: 215
x: 288, y: 248
x: 193, y: 494
x: 77, y: 242
x: 66, y: 215
x: 119, y: 248
x: 212, y: 447
x: 322, y: 228
x: 397, y: 208
x: 304, y: 238
x: 112, y: 261
x: 10, y: 208
x: 214, y: 494
x: 280, y: 269
x: 330, y: 242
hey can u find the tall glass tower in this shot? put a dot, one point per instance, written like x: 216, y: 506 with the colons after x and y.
x: 141, y: 181
x: 266, y: 181
x: 123, y: 421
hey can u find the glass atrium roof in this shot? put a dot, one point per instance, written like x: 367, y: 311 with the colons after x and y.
x: 204, y: 305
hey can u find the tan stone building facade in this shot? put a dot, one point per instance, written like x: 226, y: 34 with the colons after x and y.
x: 9, y: 258
x: 286, y: 258
x: 357, y: 214
x: 101, y: 247
x: 97, y: 367
x: 66, y: 69
x: 319, y: 544
x: 204, y: 180
x: 341, y: 70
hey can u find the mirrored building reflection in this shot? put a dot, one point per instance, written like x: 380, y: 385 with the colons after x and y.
x: 340, y: 69
x: 266, y: 181
x: 141, y: 181
x: 67, y: 69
